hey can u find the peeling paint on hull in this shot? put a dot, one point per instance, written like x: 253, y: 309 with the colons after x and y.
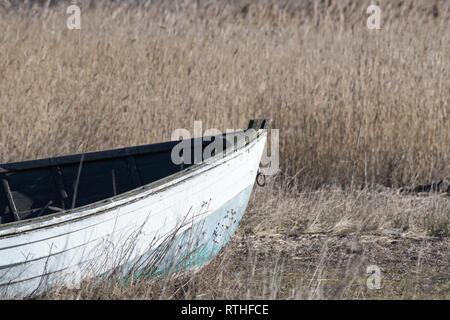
x: 197, y: 245
x: 179, y: 226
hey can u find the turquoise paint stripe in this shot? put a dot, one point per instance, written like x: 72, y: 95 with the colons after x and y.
x: 195, y: 246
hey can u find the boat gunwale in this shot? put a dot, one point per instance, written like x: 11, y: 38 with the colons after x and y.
x: 15, y: 228
x: 12, y: 167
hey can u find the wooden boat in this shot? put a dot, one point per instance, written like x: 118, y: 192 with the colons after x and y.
x: 128, y: 212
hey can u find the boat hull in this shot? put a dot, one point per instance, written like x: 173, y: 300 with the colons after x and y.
x: 180, y: 225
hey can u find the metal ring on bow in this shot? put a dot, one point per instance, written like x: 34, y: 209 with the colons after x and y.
x: 260, y: 174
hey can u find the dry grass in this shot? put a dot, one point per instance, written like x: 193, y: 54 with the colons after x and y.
x: 356, y: 109
x: 314, y: 244
x: 352, y: 104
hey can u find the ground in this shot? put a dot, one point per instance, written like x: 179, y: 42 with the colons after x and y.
x: 336, y: 266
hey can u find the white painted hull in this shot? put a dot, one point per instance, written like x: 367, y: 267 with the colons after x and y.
x: 204, y: 204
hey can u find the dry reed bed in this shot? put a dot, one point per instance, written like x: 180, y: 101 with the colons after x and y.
x: 352, y: 104
x: 354, y: 107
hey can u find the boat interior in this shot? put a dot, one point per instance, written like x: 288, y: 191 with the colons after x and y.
x: 35, y: 188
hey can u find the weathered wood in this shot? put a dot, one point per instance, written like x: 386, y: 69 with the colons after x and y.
x: 114, y: 182
x: 44, y: 208
x: 77, y: 182
x: 10, y: 198
x: 134, y: 171
x: 257, y: 124
x: 55, y: 208
x: 57, y: 175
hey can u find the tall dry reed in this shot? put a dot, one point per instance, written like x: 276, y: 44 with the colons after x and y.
x: 353, y: 105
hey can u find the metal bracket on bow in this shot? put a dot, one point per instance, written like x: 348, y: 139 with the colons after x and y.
x: 258, y: 178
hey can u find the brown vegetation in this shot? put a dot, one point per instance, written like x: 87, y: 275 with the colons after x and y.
x: 357, y: 109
